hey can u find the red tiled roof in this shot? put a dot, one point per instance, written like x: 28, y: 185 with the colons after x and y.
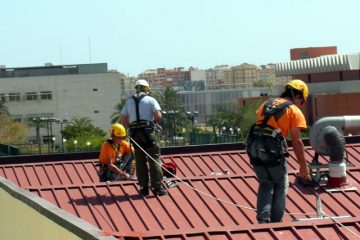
x: 213, y: 211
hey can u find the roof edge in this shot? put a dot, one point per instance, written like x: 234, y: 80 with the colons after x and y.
x: 77, y: 226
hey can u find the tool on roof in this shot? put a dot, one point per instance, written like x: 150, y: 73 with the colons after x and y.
x: 326, y: 137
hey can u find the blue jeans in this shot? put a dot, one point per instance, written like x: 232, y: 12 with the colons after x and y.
x: 273, y: 186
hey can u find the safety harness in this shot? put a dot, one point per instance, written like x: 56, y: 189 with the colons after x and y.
x: 141, y: 129
x: 105, y: 173
x: 266, y: 145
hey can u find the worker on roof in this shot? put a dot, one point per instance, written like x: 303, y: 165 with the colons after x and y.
x: 116, y: 158
x: 140, y: 114
x: 266, y: 147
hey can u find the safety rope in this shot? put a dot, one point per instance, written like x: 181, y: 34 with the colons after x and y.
x: 342, y: 225
x: 231, y: 203
x: 201, y: 192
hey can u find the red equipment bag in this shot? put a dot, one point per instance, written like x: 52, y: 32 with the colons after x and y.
x: 170, y: 167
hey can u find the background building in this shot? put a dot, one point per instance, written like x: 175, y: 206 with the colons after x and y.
x: 59, y: 93
x: 311, y: 52
x: 205, y: 102
x: 334, y: 82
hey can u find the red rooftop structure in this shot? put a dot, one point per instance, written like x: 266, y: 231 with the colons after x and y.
x: 213, y: 196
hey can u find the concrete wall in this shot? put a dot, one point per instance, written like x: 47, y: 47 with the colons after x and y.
x: 27, y: 216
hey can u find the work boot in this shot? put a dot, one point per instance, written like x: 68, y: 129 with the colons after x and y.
x: 144, y: 190
x: 160, y: 191
x: 261, y: 221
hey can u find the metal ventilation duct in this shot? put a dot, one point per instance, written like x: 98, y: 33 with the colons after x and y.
x: 326, y: 135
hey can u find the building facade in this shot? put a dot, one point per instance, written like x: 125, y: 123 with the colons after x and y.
x: 205, y: 102
x: 60, y: 93
x: 334, y: 84
x: 311, y: 52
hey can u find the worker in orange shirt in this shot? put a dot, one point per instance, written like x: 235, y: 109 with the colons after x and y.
x: 266, y: 147
x: 116, y: 159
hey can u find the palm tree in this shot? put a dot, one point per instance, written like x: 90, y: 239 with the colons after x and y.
x: 115, y: 117
x: 80, y: 127
x: 168, y: 98
x: 174, y: 115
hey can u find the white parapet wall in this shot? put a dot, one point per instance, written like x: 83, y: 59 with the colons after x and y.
x: 25, y: 215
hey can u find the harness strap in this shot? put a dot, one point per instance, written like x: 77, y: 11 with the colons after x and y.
x: 142, y: 126
x: 137, y: 100
x: 116, y: 148
x: 270, y: 110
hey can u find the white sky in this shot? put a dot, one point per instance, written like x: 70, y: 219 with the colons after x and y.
x: 135, y: 35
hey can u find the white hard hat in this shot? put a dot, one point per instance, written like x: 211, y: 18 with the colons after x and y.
x: 142, y: 82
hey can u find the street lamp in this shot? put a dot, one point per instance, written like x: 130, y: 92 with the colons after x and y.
x: 64, y: 140
x: 61, y: 122
x: 191, y: 116
x: 52, y: 144
x: 88, y: 145
x: 239, y: 132
x: 75, y: 144
x: 37, y: 121
x: 49, y: 121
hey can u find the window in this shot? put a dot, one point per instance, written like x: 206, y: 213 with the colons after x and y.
x: 31, y: 96
x: 2, y: 97
x: 14, y: 97
x: 45, y: 95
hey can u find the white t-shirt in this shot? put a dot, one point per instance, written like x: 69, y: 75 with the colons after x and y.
x: 147, y: 107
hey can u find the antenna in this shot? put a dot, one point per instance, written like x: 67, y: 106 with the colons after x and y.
x: 89, y: 49
x: 60, y: 52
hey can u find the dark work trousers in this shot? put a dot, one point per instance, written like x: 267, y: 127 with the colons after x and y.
x: 144, y: 163
x: 273, y: 186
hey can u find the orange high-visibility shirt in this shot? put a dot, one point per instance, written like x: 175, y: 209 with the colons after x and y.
x: 291, y: 118
x: 110, y: 150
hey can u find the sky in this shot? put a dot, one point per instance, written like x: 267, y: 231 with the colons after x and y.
x: 132, y: 36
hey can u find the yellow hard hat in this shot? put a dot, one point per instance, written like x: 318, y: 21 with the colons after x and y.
x: 300, y: 86
x: 118, y: 130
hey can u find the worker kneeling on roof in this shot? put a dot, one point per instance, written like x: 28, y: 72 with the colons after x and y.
x: 266, y: 147
x: 116, y: 158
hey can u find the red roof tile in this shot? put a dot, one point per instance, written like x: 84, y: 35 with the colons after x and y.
x: 213, y: 211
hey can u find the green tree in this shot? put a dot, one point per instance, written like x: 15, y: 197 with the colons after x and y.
x: 12, y: 132
x: 174, y: 115
x: 81, y: 134
x: 262, y: 83
x: 248, y: 113
x: 223, y: 117
x: 82, y: 128
x: 115, y: 117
